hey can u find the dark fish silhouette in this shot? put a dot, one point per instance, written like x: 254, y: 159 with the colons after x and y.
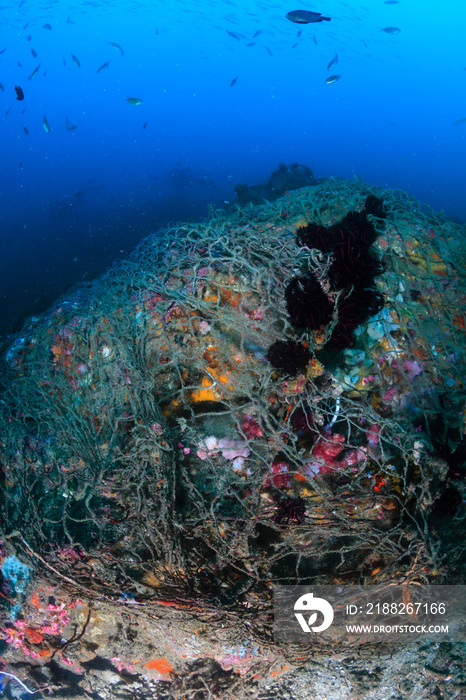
x: 103, y: 66
x: 34, y: 73
x: 68, y: 126
x: 19, y: 93
x: 76, y: 60
x: 25, y: 130
x: 34, y: 53
x: 117, y: 46
x: 332, y: 62
x: 47, y: 26
x: 233, y: 82
x: 306, y: 17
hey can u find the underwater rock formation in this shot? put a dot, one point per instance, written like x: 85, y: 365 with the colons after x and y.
x: 285, y: 179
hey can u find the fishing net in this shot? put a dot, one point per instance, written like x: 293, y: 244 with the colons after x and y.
x: 150, y: 448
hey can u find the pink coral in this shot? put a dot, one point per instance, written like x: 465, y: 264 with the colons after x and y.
x: 279, y: 474
x: 373, y: 439
x: 412, y: 369
x: 326, y: 455
x: 250, y: 427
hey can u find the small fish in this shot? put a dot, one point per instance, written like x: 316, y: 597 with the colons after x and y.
x: 103, y: 66
x: 3, y: 50
x: 75, y: 60
x: 391, y: 30
x: 134, y: 101
x: 315, y: 40
x: 459, y: 121
x: 232, y: 34
x: 117, y: 46
x: 2, y: 87
x: 26, y: 26
x: 29, y: 37
x: 269, y: 51
x: 391, y: 2
x: 25, y: 130
x: 332, y: 62
x: 233, y: 82
x: 256, y: 34
x: 34, y: 73
x: 19, y: 93
x: 306, y: 17
x: 20, y: 65
x: 70, y: 127
x: 21, y: 165
x: 46, y: 125
x: 47, y: 26
x: 298, y: 33
x: 332, y: 79
x: 34, y: 53
x: 144, y: 125
x: 7, y: 111
x: 64, y: 60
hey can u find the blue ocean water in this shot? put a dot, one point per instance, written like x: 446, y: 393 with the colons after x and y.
x: 229, y: 89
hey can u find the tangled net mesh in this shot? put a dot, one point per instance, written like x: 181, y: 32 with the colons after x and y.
x: 149, y: 447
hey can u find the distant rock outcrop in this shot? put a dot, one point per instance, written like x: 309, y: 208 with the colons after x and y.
x: 287, y: 177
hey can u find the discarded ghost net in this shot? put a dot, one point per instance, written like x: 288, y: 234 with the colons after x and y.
x: 273, y: 396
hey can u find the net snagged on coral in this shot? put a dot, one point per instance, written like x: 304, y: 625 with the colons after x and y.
x: 230, y: 409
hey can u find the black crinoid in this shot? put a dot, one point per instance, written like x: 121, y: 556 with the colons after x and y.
x: 354, y: 231
x: 353, y: 310
x: 374, y: 206
x: 307, y: 304
x: 354, y: 266
x: 290, y: 356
